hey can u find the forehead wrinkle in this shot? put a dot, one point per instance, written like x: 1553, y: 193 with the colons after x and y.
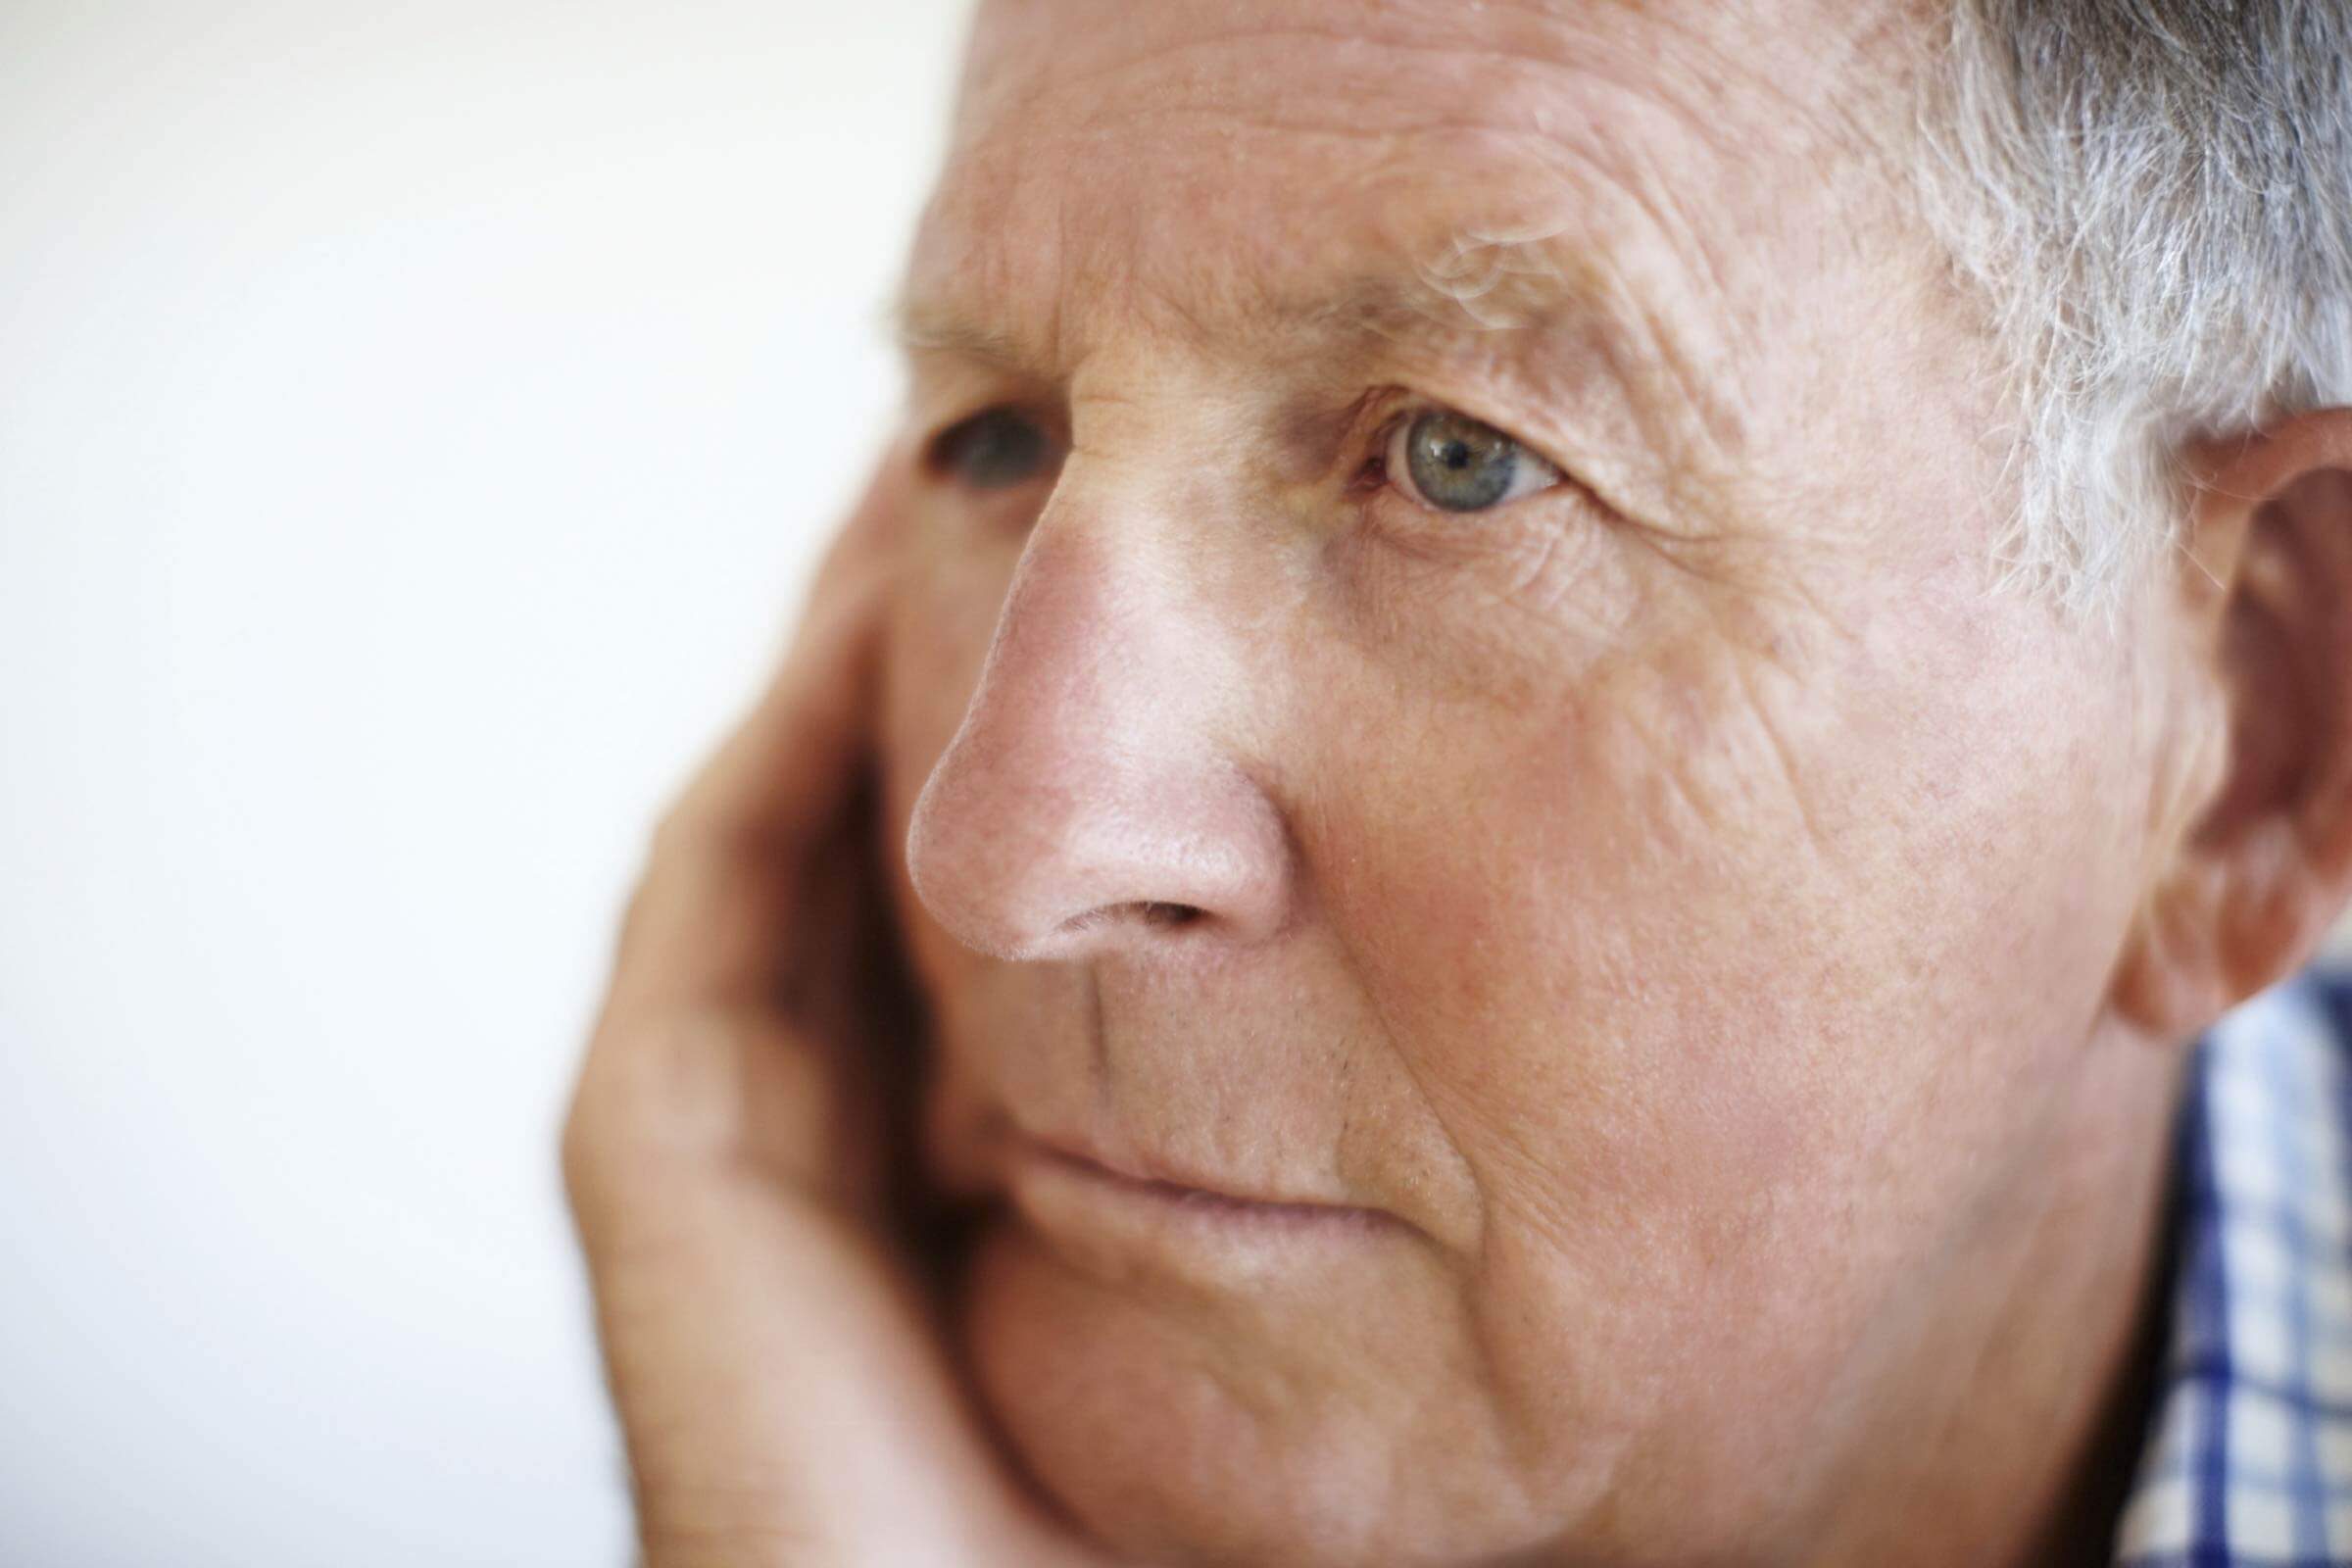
x: 1577, y: 270
x: 1634, y: 294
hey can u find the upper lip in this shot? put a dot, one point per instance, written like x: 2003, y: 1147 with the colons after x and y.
x: 1174, y: 1180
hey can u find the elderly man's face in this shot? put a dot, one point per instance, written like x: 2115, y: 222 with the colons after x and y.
x: 1450, y: 696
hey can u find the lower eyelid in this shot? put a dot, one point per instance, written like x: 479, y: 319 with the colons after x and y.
x: 1531, y: 556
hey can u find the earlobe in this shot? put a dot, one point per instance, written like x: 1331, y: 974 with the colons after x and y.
x: 2166, y: 982
x: 2262, y: 867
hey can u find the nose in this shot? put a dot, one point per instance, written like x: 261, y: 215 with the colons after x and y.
x: 1092, y: 801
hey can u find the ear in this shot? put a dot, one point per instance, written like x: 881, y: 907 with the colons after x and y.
x: 2261, y: 866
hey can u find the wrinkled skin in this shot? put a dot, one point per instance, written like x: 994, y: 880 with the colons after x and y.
x: 1633, y: 1023
x: 1683, y: 900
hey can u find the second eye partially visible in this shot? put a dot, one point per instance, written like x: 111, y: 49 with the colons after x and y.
x: 996, y: 449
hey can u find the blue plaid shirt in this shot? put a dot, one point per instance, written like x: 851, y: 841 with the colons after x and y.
x: 2249, y: 1462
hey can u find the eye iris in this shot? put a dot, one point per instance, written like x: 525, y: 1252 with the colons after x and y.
x: 1459, y: 464
x: 993, y: 451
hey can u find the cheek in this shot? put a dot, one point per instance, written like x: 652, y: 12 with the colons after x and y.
x: 941, y: 625
x: 1726, y: 982
x: 1698, y: 890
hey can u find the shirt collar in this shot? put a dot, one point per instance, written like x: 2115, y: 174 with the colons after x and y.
x: 2249, y: 1458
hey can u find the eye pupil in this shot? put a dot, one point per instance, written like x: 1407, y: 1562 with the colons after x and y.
x: 992, y: 450
x: 1459, y: 464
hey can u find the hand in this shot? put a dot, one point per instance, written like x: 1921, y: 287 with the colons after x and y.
x: 781, y: 1384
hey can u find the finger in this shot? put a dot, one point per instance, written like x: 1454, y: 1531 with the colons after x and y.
x: 750, y: 779
x: 780, y: 1385
x: 782, y: 1396
x: 719, y: 898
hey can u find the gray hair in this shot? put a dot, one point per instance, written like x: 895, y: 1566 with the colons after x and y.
x: 2152, y: 199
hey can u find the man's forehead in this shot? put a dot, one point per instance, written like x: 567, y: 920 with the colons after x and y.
x: 1271, y: 178
x: 1310, y: 129
x: 1430, y: 59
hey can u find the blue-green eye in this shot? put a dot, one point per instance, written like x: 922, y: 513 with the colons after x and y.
x: 994, y: 450
x: 1452, y: 463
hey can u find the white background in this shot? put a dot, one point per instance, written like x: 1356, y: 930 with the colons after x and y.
x: 416, y: 422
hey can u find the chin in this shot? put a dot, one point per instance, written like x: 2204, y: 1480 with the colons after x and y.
x: 1179, y: 1427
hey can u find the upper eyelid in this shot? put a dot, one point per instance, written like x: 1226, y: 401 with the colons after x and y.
x: 1408, y: 405
x: 944, y: 415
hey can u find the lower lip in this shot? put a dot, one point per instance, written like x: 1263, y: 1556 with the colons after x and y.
x: 1109, y: 1222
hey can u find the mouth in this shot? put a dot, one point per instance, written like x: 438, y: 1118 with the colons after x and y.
x: 1109, y: 1221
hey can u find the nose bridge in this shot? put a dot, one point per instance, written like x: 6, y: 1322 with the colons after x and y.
x: 1092, y: 796
x: 1086, y: 600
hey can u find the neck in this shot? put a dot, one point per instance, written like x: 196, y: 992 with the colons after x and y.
x: 2033, y: 1391
x: 2081, y: 1528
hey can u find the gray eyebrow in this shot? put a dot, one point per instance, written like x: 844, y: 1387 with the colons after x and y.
x: 920, y: 329
x: 1485, y: 279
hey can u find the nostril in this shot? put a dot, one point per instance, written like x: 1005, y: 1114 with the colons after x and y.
x: 1156, y: 914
